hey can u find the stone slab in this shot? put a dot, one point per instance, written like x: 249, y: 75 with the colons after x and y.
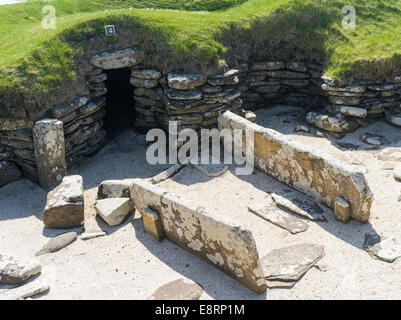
x: 118, y: 59
x: 315, y: 173
x: 181, y: 289
x: 17, y: 271
x: 204, y: 233
x: 114, y: 210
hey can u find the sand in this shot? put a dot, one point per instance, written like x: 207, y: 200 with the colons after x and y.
x: 130, y: 264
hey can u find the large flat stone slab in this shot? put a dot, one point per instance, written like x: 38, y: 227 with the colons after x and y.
x: 285, y: 266
x: 65, y: 204
x: 118, y: 59
x: 16, y: 271
x: 114, y: 210
x: 315, y: 173
x: 205, y: 233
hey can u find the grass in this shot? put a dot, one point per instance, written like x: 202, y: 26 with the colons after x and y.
x: 193, y: 35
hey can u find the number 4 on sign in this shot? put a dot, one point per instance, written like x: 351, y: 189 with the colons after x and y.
x: 110, y: 30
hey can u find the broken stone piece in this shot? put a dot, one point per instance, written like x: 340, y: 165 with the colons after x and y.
x: 285, y: 266
x: 375, y: 140
x: 113, y: 210
x: 65, y: 204
x: 57, y: 243
x: 279, y: 218
x: 250, y: 116
x: 92, y: 235
x: 300, y: 205
x: 342, y: 210
x: 302, y: 129
x: 388, y: 249
x: 397, y: 173
x: 153, y: 223
x: 182, y: 289
x: 114, y: 189
x: 16, y: 271
x: 27, y: 291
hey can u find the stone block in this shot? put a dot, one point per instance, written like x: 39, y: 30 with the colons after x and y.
x: 114, y: 210
x: 342, y: 210
x: 65, y: 204
x: 153, y: 223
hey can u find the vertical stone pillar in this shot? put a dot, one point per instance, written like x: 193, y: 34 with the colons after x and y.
x: 48, y: 138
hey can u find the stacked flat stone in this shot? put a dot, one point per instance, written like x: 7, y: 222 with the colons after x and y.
x: 148, y: 96
x: 16, y: 144
x: 276, y: 82
x: 195, y: 100
x: 352, y: 104
x: 82, y: 122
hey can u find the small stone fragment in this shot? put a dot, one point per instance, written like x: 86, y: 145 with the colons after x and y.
x: 57, y: 243
x: 285, y: 266
x: 342, y: 210
x: 16, y: 271
x: 92, y: 235
x: 250, y: 116
x: 181, y: 289
x: 302, y: 129
x: 113, y: 210
x: 388, y: 249
x: 375, y: 140
x: 319, y: 134
x: 153, y: 223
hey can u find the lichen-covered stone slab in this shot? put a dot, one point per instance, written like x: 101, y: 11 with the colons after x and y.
x: 299, y: 204
x: 118, y: 59
x: 65, y: 204
x: 279, y: 218
x: 16, y: 271
x: 181, y: 289
x: 331, y: 123
x: 289, y: 264
x: 48, y: 137
x: 185, y: 81
x: 315, y: 173
x: 208, y: 235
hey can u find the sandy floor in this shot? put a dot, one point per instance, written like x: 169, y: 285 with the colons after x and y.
x: 130, y: 264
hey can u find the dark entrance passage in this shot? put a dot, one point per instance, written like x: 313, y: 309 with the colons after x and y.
x: 120, y: 111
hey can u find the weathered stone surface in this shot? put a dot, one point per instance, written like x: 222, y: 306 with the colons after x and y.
x: 296, y: 66
x: 7, y: 124
x: 114, y: 210
x: 144, y: 83
x: 301, y: 128
x: 210, y: 236
x: 270, y: 65
x: 182, y: 289
x: 331, y: 123
x: 288, y: 75
x: 394, y: 117
x: 19, y: 134
x: 118, y: 59
x: 347, y: 111
x: 250, y: 116
x: 342, y: 210
x: 233, y: 80
x: 9, y: 172
x: 29, y: 290
x: 351, y: 101
x: 185, y: 81
x: 98, y: 78
x: 289, y: 264
x: 57, y: 243
x: 153, y: 223
x: 299, y: 204
x: 114, y: 189
x: 16, y: 271
x: 92, y: 234
x: 387, y: 249
x: 194, y: 94
x: 318, y: 174
x: 65, y: 204
x: 383, y: 87
x: 355, y: 89
x: 150, y: 74
x: 48, y: 137
x: 228, y: 74
x: 279, y: 218
x: 397, y: 173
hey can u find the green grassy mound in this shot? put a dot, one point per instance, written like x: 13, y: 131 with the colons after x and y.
x: 194, y: 35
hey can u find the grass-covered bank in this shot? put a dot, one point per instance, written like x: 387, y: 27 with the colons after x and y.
x: 35, y: 62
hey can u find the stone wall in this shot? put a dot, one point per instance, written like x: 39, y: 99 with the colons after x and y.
x: 315, y: 173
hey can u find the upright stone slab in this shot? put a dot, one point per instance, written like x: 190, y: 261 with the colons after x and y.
x: 318, y: 174
x: 206, y: 234
x: 48, y: 137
